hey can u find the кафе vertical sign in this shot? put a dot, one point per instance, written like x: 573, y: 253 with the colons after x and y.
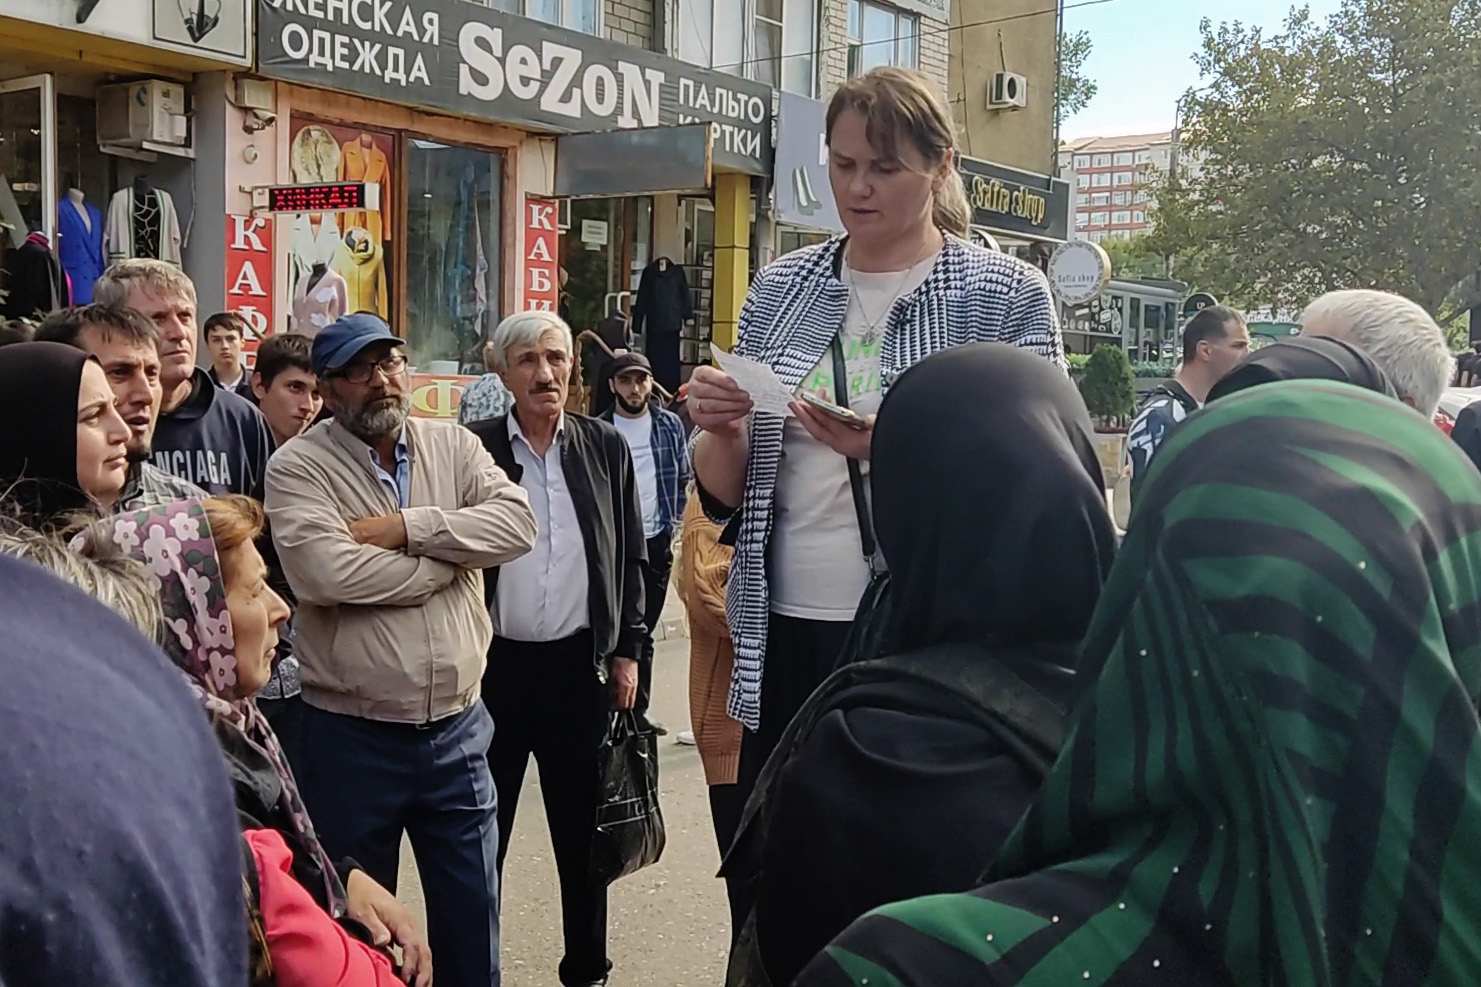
x: 475, y: 61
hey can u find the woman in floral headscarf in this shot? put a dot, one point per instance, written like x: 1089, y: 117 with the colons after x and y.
x: 221, y: 622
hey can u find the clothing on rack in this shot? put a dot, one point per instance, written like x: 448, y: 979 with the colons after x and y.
x: 80, y: 246
x: 33, y: 280
x: 318, y: 303
x: 664, y: 302
x: 143, y: 226
x: 361, y: 162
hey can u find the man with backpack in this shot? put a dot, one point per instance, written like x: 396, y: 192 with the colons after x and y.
x: 1214, y: 341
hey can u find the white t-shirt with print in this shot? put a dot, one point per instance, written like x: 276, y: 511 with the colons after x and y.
x: 816, y: 565
x: 639, y: 435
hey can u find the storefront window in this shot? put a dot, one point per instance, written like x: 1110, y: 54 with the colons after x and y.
x: 452, y: 254
x: 353, y: 246
x: 23, y: 196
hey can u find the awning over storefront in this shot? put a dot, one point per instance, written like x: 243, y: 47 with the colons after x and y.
x: 473, y: 61
x: 1016, y: 203
x: 804, y: 196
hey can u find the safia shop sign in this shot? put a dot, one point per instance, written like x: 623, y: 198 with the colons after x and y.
x: 1012, y: 201
x: 474, y: 61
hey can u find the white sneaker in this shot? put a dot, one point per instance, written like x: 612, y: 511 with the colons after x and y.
x: 685, y: 738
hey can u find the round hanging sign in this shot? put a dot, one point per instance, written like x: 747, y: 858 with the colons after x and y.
x: 1078, y: 272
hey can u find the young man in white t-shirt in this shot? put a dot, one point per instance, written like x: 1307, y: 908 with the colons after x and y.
x: 661, y: 461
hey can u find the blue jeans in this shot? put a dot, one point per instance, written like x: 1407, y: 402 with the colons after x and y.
x: 367, y: 782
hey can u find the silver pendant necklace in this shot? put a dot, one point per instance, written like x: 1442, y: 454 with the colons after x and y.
x: 874, y: 328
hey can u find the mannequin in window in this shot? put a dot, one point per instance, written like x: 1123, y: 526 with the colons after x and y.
x: 143, y: 222
x: 79, y: 241
x: 320, y: 297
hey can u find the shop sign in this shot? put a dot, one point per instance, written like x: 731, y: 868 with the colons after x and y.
x: 319, y: 197
x: 1078, y: 272
x: 249, y: 275
x: 216, y: 31
x: 541, y: 250
x: 1010, y: 201
x: 594, y: 232
x: 650, y: 160
x: 437, y: 395
x: 474, y: 61
x: 804, y: 196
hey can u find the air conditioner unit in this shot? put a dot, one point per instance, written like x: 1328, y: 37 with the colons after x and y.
x: 134, y: 114
x: 1008, y: 89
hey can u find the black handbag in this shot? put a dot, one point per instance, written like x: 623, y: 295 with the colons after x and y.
x: 865, y: 640
x: 629, y: 825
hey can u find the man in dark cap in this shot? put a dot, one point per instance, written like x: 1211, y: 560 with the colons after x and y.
x: 661, y: 460
x: 383, y: 524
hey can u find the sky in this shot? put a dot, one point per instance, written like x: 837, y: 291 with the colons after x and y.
x: 1142, y: 56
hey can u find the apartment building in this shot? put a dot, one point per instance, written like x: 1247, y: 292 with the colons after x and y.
x: 1113, y: 181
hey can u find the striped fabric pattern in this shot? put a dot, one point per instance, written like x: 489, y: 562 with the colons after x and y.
x: 794, y: 309
x: 1274, y: 777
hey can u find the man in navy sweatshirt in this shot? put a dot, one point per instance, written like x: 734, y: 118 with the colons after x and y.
x: 207, y: 435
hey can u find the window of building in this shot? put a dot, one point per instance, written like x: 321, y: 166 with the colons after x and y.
x: 1097, y: 219
x: 1100, y: 199
x: 1103, y: 180
x: 1123, y: 158
x: 1103, y: 161
x: 767, y: 59
x: 454, y: 204
x: 1138, y: 217
x: 1082, y: 200
x: 1121, y: 198
x: 799, y: 34
x: 578, y: 15
x: 1121, y: 218
x: 1142, y: 157
x: 1082, y: 181
x: 1082, y: 161
x: 1097, y: 237
x: 1123, y: 178
x: 1142, y: 197
x: 880, y: 35
x: 1082, y: 220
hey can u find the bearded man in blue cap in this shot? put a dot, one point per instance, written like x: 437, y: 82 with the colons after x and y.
x: 383, y: 523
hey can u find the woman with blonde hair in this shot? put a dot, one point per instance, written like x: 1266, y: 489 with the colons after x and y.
x: 841, y: 321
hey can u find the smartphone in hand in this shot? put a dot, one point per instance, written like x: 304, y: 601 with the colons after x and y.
x: 838, y: 412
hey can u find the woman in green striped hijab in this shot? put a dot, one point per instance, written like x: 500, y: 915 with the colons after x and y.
x: 1274, y: 774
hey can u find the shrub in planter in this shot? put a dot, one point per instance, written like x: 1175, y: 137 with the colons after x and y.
x: 1108, y: 386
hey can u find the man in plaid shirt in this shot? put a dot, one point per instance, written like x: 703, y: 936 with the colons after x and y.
x: 661, y: 461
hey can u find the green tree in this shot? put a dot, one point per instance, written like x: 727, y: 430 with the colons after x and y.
x: 1136, y: 257
x: 1073, y: 89
x: 1331, y: 155
x: 1108, y: 387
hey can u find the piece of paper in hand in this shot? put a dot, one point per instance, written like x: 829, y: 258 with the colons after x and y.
x: 769, y: 394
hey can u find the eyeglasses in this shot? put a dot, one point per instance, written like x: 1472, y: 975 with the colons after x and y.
x: 360, y: 373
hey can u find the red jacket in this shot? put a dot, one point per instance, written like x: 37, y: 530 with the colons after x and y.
x: 307, y: 947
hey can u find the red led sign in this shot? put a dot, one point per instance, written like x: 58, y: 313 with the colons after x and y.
x: 320, y: 197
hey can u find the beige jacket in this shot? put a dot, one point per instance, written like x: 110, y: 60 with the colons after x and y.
x: 395, y: 636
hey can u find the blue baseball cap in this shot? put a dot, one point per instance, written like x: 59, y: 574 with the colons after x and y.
x: 339, y: 342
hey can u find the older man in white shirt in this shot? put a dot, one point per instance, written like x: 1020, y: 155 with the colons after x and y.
x: 568, y: 617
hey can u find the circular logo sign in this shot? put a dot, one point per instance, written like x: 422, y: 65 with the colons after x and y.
x: 1197, y: 302
x: 1078, y: 272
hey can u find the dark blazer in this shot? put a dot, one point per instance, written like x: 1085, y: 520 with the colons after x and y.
x: 599, y: 471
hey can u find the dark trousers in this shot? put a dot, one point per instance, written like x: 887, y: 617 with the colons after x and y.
x: 366, y: 782
x: 800, y: 654
x: 547, y: 700
x: 285, y: 716
x: 726, y: 805
x: 655, y: 592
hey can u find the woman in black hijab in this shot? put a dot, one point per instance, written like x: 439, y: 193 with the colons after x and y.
x: 1305, y: 358
x: 65, y: 449
x: 903, y: 776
